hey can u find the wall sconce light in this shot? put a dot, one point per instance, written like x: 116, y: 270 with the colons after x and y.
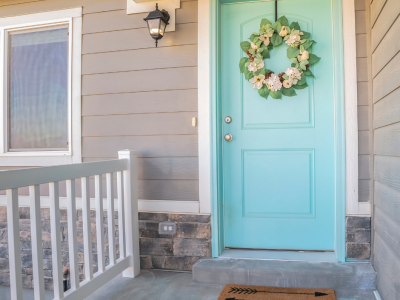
x: 157, y: 21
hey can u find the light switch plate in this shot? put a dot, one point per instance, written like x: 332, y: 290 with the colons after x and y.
x: 167, y: 228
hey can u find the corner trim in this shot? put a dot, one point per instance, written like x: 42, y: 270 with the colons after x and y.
x: 350, y: 96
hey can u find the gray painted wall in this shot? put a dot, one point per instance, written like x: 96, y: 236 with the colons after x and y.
x: 135, y: 95
x: 385, y: 62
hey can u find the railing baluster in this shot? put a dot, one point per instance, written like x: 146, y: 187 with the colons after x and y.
x: 14, y: 244
x: 87, y: 236
x: 72, y: 236
x: 111, y: 221
x: 56, y: 240
x: 121, y: 215
x: 99, y: 223
x: 36, y: 240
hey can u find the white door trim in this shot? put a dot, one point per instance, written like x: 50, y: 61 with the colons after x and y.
x: 353, y: 207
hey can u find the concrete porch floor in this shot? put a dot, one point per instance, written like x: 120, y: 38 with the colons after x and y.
x: 165, y: 285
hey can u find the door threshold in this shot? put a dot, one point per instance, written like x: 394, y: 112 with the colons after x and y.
x: 283, y: 255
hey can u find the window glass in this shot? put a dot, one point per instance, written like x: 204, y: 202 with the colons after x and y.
x: 38, y: 90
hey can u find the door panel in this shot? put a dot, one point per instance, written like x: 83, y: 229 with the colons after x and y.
x: 279, y: 169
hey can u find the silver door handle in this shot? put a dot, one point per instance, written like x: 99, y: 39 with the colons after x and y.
x: 228, y: 137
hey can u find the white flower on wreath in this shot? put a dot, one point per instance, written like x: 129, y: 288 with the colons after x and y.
x: 254, y: 66
x: 254, y: 46
x: 257, y: 81
x: 293, y: 74
x: 273, y: 83
x: 265, y: 38
x: 294, y: 38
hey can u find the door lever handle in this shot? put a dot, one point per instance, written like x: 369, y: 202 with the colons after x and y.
x: 228, y: 137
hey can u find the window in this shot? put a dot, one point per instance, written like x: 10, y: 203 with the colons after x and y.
x: 41, y: 102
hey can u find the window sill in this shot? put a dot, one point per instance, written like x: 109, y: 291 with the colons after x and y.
x: 37, y: 159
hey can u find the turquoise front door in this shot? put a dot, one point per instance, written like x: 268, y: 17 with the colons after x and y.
x: 279, y: 169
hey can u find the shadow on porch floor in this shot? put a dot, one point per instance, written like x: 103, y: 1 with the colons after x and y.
x: 164, y: 285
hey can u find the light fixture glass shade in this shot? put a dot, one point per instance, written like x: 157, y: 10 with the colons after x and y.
x: 154, y: 28
x: 157, y: 22
x: 162, y: 27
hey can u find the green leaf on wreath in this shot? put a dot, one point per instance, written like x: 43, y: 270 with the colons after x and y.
x: 252, y: 37
x: 248, y: 74
x: 308, y: 44
x: 265, y: 22
x: 276, y: 39
x: 277, y: 26
x: 259, y: 71
x: 302, y: 81
x: 295, y: 26
x: 300, y: 87
x: 284, y: 21
x: 264, y: 92
x: 292, y: 52
x: 270, y: 46
x: 309, y: 73
x: 276, y: 95
x: 245, y: 46
x: 242, y: 63
x: 265, y: 53
x: 313, y: 59
x: 293, y: 60
x: 306, y: 35
x: 290, y: 92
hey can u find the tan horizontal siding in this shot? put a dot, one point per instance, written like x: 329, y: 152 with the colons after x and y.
x: 147, y: 146
x: 387, y: 110
x: 386, y: 19
x: 185, y: 34
x: 388, y: 79
x: 134, y: 95
x: 140, y: 81
x: 119, y: 20
x: 163, y: 168
x: 141, y: 59
x: 388, y: 48
x: 139, y: 124
x: 385, y: 16
x: 142, y: 102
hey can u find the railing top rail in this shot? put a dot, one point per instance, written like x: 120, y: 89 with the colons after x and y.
x: 26, y: 177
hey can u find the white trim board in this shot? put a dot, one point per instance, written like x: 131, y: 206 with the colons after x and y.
x: 159, y: 206
x: 350, y: 94
x: 353, y: 207
x: 204, y: 106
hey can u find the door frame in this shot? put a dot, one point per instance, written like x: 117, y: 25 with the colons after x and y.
x: 215, y: 133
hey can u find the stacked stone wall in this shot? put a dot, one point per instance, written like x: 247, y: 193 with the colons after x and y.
x: 174, y: 252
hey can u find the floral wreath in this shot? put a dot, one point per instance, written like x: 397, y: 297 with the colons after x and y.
x: 266, y: 81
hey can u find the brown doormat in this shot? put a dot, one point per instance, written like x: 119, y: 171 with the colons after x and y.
x: 251, y: 292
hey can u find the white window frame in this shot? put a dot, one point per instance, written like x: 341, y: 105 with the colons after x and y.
x: 72, y: 18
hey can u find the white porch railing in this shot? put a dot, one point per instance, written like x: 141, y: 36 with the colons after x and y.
x: 129, y: 261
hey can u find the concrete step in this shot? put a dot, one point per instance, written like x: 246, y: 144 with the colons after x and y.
x: 296, y: 274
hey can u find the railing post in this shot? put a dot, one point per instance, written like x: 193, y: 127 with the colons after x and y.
x: 131, y: 212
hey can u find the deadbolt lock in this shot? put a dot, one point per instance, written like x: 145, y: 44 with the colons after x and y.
x: 228, y: 119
